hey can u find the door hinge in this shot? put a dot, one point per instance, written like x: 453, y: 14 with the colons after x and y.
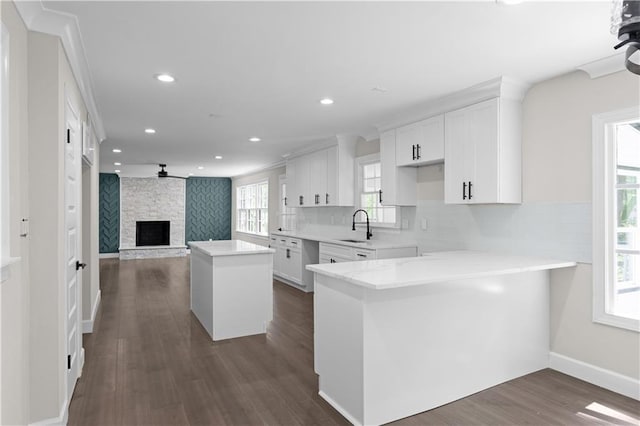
x: 68, y: 362
x: 68, y: 135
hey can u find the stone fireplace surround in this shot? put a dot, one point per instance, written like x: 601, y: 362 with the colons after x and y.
x: 143, y: 199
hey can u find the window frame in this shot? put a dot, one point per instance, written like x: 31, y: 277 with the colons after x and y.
x: 258, y: 215
x: 603, y: 239
x: 5, y: 251
x: 360, y: 162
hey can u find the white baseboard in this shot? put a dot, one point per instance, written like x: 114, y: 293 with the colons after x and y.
x: 61, y: 420
x: 87, y: 325
x: 607, y: 379
x: 109, y: 255
x: 339, y: 409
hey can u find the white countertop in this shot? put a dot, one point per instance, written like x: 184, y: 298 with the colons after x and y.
x: 229, y: 247
x: 365, y: 244
x: 433, y: 267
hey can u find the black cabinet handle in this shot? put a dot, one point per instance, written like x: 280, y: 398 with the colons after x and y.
x: 301, y: 200
x: 80, y: 265
x: 361, y: 255
x: 380, y: 196
x: 285, y: 201
x: 469, y: 189
x: 332, y: 261
x: 288, y: 254
x: 464, y: 190
x: 315, y: 199
x: 326, y: 198
x: 417, y: 151
x: 414, y: 151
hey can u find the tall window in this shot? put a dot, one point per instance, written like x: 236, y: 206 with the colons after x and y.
x: 369, y: 179
x: 252, y: 208
x: 616, y: 259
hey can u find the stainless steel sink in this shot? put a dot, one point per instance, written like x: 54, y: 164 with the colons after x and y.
x: 354, y: 241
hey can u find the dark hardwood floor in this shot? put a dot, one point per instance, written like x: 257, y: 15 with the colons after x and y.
x: 149, y: 362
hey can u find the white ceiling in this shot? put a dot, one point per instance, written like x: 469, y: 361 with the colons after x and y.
x: 259, y: 69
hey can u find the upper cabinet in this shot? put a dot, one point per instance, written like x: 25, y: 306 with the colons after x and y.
x: 324, y: 177
x: 483, y: 153
x: 420, y: 143
x: 398, y: 184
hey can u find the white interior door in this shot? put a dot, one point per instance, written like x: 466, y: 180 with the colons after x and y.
x: 72, y: 247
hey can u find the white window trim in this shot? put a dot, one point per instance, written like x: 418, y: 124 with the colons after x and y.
x: 603, y: 236
x: 5, y: 252
x: 235, y: 213
x: 360, y: 161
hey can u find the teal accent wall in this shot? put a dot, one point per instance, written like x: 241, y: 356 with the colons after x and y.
x: 109, y: 213
x: 208, y: 209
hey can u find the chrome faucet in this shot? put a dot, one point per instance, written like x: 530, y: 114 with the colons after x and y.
x: 353, y: 224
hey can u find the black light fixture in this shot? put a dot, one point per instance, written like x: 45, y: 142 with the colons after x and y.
x: 625, y: 21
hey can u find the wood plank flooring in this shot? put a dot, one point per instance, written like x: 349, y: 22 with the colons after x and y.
x: 149, y: 362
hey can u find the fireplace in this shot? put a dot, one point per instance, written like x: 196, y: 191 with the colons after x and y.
x: 152, y: 233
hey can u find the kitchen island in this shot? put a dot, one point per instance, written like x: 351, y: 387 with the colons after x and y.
x: 231, y: 287
x: 396, y: 337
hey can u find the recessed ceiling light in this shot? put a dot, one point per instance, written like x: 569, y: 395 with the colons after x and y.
x: 254, y: 139
x: 165, y: 78
x: 326, y: 101
x: 218, y: 157
x: 200, y: 167
x: 116, y: 150
x: 150, y: 131
x: 117, y: 164
x: 117, y: 171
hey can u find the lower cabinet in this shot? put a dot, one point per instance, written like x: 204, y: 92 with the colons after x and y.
x: 291, y: 257
x: 336, y: 253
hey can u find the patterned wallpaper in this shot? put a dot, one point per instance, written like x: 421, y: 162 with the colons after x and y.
x: 109, y: 213
x: 208, y: 209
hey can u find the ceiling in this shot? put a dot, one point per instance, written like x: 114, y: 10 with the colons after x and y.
x: 247, y: 69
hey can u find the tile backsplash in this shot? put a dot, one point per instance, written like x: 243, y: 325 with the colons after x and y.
x: 557, y: 230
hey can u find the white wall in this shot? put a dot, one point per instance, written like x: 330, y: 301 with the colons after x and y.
x: 557, y: 168
x: 272, y: 175
x: 49, y: 77
x: 14, y: 292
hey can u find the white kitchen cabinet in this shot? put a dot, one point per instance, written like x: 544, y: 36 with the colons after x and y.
x: 483, y: 153
x: 337, y: 253
x: 420, y: 143
x: 291, y: 258
x: 324, y: 177
x: 398, y: 184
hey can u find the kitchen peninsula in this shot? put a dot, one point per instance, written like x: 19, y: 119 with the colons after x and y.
x: 396, y: 337
x: 231, y: 287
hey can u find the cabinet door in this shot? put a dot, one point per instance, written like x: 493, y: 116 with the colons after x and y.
x: 294, y: 267
x: 317, y: 177
x: 330, y: 197
x: 430, y: 148
x: 457, y: 158
x: 407, y: 138
x: 398, y: 184
x: 483, y: 136
x: 420, y: 143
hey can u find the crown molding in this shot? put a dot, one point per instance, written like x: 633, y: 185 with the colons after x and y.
x: 38, y: 18
x: 604, y: 66
x: 504, y: 87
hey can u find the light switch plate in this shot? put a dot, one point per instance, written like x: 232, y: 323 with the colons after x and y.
x: 423, y: 223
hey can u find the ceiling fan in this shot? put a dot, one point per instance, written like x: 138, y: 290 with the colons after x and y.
x: 162, y: 173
